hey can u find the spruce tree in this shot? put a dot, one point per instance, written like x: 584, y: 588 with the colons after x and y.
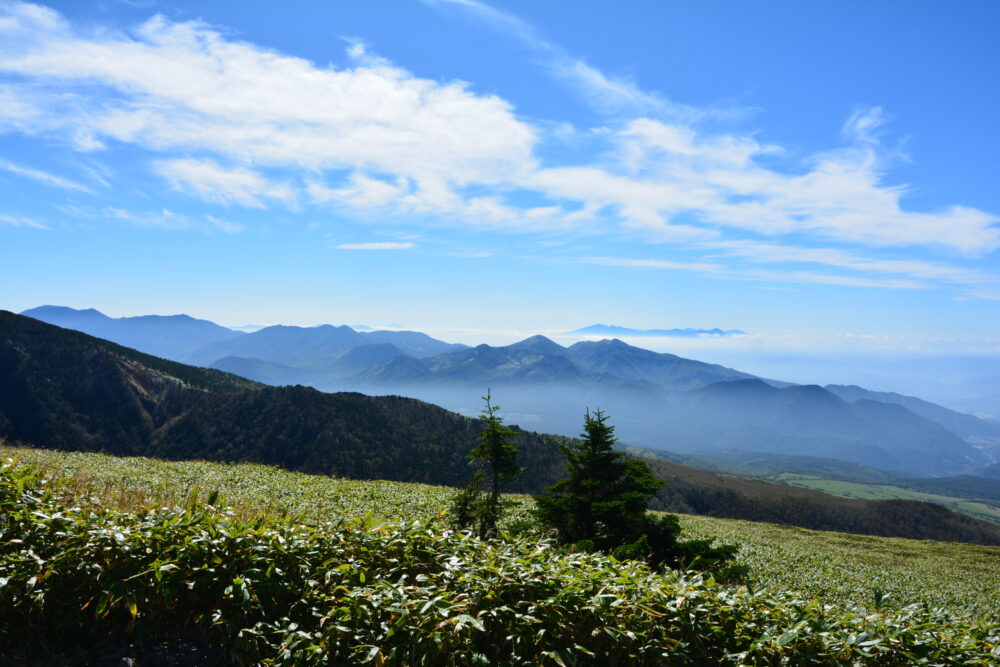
x: 602, y: 504
x: 495, y: 450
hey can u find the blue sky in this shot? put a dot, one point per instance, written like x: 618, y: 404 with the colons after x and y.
x: 822, y: 175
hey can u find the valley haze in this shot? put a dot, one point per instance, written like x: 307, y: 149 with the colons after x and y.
x: 660, y: 401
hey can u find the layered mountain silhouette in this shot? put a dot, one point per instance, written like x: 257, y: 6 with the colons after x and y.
x: 668, y: 402
x: 658, y: 401
x: 169, y: 336
x: 318, y: 348
x: 67, y: 390
x: 967, y: 426
x: 189, y: 340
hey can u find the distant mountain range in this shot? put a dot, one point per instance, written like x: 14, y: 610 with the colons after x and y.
x: 189, y: 340
x: 67, y: 390
x: 658, y: 401
x: 612, y: 330
x: 169, y: 336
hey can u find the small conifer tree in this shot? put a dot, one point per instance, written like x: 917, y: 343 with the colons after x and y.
x: 497, y: 452
x: 602, y: 506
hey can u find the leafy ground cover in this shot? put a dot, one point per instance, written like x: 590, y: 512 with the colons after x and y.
x: 83, y: 581
x: 848, y: 569
x: 836, y: 568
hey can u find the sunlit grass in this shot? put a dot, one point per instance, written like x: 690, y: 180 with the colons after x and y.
x: 890, y: 492
x: 833, y: 567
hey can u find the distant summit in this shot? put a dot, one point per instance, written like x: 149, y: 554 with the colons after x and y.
x: 613, y: 330
x: 168, y: 336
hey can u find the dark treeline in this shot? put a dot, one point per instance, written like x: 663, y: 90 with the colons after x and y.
x: 66, y: 390
x: 345, y: 434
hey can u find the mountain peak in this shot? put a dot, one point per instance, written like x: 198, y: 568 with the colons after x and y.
x: 540, y: 344
x: 42, y: 312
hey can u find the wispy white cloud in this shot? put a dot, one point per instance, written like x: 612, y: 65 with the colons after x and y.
x: 437, y: 198
x: 805, y: 277
x: 864, y: 125
x: 226, y: 226
x: 162, y: 219
x: 773, y: 254
x: 21, y: 221
x: 362, y: 191
x: 728, y: 273
x: 379, y: 245
x: 43, y: 177
x: 233, y: 185
x: 610, y: 94
x: 676, y: 184
x: 986, y: 295
x: 655, y: 264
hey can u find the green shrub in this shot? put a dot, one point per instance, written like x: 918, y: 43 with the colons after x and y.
x: 78, y: 582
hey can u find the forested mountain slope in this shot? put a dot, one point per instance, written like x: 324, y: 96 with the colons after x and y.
x: 63, y: 389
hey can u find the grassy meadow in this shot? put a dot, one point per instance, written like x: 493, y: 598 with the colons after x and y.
x: 844, y: 489
x: 835, y: 568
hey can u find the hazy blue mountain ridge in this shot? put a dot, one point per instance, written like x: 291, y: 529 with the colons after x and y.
x: 615, y: 357
x: 268, y: 372
x: 170, y: 336
x: 67, y: 390
x: 959, y: 423
x: 308, y: 347
x: 808, y: 420
x: 657, y: 400
x: 540, y: 382
x: 320, y: 347
x: 189, y: 340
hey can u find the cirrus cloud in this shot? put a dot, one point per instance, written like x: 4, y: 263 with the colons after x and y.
x: 378, y: 245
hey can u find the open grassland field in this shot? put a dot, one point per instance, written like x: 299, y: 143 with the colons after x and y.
x: 980, y: 510
x: 836, y: 568
x: 108, y: 558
